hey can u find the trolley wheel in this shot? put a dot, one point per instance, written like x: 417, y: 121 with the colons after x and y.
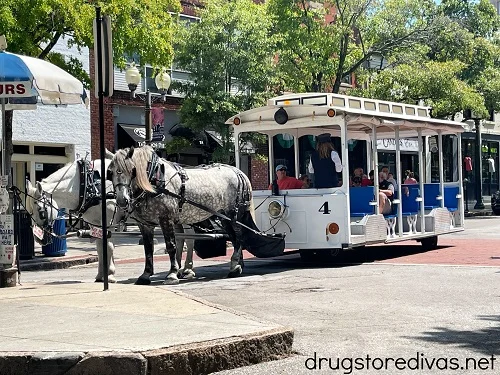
x: 329, y: 255
x: 307, y: 255
x: 430, y: 243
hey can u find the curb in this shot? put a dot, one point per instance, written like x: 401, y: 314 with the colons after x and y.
x: 197, y: 358
x: 55, y: 263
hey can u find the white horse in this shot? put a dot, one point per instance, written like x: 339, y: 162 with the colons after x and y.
x: 62, y: 190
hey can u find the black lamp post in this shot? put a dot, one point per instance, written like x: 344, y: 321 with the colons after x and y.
x: 162, y: 81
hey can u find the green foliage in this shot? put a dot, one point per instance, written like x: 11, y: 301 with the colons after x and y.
x: 140, y: 27
x: 321, y: 43
x: 456, y: 69
x: 437, y: 83
x: 229, y: 55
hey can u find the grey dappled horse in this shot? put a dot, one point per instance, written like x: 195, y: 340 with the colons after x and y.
x: 62, y: 190
x: 219, y: 187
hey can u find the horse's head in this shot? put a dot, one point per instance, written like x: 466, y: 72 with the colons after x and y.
x: 43, y: 209
x: 128, y: 173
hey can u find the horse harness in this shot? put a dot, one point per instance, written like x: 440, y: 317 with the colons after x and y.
x: 156, y: 176
x: 90, y: 187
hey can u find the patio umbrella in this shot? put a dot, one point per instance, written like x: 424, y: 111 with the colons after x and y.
x: 26, y: 81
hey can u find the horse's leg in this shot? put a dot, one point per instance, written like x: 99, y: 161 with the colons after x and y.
x: 236, y: 265
x: 148, y: 238
x: 167, y: 228
x: 188, y: 272
x: 179, y: 245
x: 185, y: 272
x: 111, y: 263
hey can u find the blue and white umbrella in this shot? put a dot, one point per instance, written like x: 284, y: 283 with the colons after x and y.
x: 25, y: 81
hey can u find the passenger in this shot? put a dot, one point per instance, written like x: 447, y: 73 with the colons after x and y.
x: 356, y: 181
x: 285, y: 182
x: 368, y: 181
x: 358, y: 172
x: 325, y: 163
x: 386, y: 194
x: 306, y: 181
x: 410, y: 178
x: 390, y: 177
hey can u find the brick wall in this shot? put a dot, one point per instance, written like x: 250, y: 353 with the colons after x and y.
x: 119, y: 98
x: 259, y: 174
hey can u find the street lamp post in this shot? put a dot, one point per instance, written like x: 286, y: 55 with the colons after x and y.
x: 162, y: 82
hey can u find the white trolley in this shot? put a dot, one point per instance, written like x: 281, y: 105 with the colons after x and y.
x: 345, y: 217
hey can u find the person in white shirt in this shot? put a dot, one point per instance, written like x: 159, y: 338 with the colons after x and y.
x: 325, y: 163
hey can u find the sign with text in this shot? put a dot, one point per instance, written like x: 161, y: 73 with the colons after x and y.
x: 7, y: 246
x: 405, y: 144
x: 4, y: 194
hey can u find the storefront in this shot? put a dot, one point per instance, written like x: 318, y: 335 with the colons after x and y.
x: 489, y: 163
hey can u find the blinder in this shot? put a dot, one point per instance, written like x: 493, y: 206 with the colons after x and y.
x: 109, y: 175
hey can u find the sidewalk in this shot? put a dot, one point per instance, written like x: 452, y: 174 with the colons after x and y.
x: 486, y: 211
x: 77, y: 328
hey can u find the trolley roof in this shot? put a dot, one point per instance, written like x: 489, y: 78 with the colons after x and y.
x: 308, y: 114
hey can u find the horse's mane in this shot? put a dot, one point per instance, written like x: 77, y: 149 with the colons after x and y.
x: 139, y: 160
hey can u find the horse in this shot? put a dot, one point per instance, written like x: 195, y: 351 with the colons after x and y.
x: 62, y: 190
x: 179, y: 197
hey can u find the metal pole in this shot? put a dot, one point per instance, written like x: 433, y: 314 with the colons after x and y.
x: 101, y: 135
x: 147, y: 119
x: 479, y: 170
x: 3, y: 136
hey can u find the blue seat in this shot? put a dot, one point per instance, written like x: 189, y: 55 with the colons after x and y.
x: 450, y: 198
x: 409, y: 203
x: 431, y: 191
x: 359, y: 201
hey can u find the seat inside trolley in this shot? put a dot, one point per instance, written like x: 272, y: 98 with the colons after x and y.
x: 368, y: 135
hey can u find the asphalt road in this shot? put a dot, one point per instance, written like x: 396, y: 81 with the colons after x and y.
x: 395, y: 309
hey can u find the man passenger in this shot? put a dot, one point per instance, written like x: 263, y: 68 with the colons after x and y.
x: 385, y: 194
x: 285, y: 182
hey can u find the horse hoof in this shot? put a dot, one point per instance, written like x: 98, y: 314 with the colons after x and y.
x: 112, y: 279
x: 236, y: 272
x: 99, y: 280
x: 142, y: 281
x: 171, y: 281
x: 188, y: 274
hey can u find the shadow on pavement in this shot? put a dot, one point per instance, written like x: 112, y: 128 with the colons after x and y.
x: 292, y: 260
x: 485, y: 341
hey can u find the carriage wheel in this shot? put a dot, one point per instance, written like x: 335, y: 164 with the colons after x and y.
x: 430, y: 243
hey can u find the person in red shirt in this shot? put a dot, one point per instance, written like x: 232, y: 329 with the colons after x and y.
x: 285, y: 182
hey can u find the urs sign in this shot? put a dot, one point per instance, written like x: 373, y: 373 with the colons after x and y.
x: 15, y: 89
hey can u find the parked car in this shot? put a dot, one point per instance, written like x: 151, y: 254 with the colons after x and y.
x: 495, y: 202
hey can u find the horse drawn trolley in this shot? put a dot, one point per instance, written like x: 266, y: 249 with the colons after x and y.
x: 345, y: 216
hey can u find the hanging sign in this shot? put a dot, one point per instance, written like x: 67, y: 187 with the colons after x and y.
x: 7, y: 246
x: 405, y: 144
x: 4, y: 194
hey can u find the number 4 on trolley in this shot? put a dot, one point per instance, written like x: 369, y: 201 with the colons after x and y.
x: 324, y: 209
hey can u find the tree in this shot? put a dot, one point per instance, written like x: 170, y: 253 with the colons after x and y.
x: 229, y: 55
x: 141, y: 28
x: 321, y: 43
x: 457, y: 69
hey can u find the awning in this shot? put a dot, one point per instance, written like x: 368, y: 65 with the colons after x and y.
x: 206, y: 139
x: 138, y: 135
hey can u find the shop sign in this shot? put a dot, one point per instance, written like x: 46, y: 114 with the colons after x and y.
x: 4, y: 194
x: 7, y: 246
x: 405, y: 144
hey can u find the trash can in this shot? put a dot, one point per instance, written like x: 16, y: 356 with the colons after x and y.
x: 25, y: 238
x: 58, y: 247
